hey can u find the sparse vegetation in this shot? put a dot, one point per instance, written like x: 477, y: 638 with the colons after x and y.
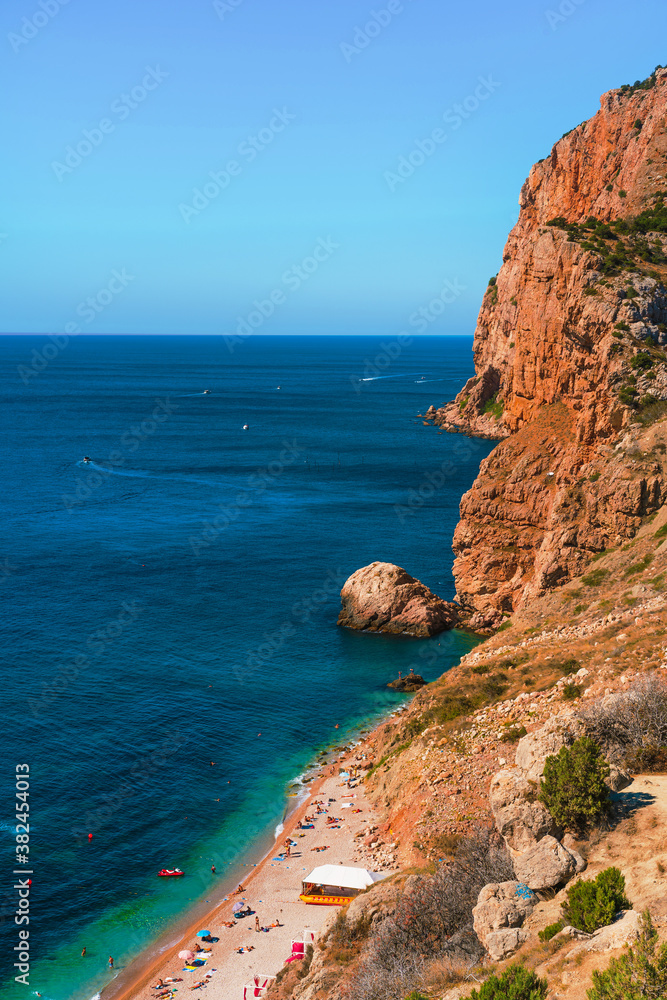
x: 631, y: 727
x: 396, y: 960
x: 595, y: 577
x: 593, y: 903
x: 573, y: 788
x: 551, y: 930
x: 638, y: 974
x: 571, y: 692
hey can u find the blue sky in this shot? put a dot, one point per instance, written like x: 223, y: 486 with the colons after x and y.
x: 302, y: 120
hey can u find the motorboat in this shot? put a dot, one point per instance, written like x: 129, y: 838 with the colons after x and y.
x: 206, y: 392
x: 170, y: 873
x: 86, y: 459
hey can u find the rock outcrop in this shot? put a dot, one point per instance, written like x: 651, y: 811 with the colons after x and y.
x: 408, y: 684
x: 384, y: 598
x: 546, y: 865
x: 519, y: 817
x: 555, y: 355
x: 501, y: 910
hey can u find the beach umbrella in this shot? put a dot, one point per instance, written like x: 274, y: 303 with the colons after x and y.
x: 236, y: 907
x: 187, y: 955
x: 203, y: 933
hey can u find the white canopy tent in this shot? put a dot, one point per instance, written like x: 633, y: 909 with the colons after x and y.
x: 334, y: 878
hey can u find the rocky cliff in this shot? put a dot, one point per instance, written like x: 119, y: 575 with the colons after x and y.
x: 569, y: 362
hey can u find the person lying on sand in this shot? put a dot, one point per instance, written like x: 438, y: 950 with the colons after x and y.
x: 229, y: 923
x: 276, y: 923
x: 325, y: 848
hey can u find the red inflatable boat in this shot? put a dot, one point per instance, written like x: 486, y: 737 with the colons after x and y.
x: 170, y: 873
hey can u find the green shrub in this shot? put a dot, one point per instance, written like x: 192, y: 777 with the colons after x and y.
x: 513, y: 734
x: 571, y: 692
x: 638, y: 973
x: 573, y: 788
x: 551, y: 930
x: 595, y: 577
x: 494, y: 406
x: 642, y: 361
x: 661, y: 532
x: 515, y: 983
x: 594, y: 903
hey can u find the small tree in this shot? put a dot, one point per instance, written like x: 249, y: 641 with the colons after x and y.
x: 516, y: 983
x: 594, y: 903
x: 636, y: 975
x: 573, y: 788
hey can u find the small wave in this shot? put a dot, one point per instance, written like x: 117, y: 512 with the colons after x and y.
x: 279, y: 829
x: 425, y: 381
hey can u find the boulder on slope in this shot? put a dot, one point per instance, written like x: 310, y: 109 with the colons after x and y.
x: 546, y: 865
x: 520, y: 818
x: 501, y: 909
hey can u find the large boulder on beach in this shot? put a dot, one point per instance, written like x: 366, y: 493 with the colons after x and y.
x: 384, y: 598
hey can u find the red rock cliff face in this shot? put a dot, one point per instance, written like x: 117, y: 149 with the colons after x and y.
x: 550, y: 365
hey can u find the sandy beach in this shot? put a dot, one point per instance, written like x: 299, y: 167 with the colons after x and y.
x: 271, y: 890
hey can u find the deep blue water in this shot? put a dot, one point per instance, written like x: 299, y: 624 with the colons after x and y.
x: 163, y: 612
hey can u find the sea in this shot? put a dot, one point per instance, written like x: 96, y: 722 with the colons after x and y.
x: 173, y: 664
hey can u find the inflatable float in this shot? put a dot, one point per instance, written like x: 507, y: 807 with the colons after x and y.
x: 170, y: 873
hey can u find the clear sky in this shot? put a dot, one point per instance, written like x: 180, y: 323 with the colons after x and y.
x: 290, y: 119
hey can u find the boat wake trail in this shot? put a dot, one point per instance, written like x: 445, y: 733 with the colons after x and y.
x: 376, y: 378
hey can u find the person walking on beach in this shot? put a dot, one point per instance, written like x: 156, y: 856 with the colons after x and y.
x: 257, y: 928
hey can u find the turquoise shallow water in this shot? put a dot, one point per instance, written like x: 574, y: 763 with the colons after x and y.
x: 178, y: 596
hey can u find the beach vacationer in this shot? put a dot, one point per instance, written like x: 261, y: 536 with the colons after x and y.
x: 239, y: 890
x: 110, y: 962
x: 257, y: 924
x: 213, y: 869
x: 83, y: 953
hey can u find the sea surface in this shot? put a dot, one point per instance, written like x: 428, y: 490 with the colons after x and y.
x: 169, y: 609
